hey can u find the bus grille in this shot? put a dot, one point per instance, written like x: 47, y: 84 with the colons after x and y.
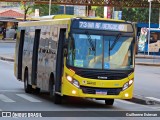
x: 105, y: 75
x: 102, y: 74
x: 110, y: 91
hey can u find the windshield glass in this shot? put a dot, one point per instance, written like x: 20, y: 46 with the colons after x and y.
x: 108, y: 53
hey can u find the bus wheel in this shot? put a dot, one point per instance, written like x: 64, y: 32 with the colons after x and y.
x: 57, y: 99
x: 109, y: 101
x: 27, y: 87
x: 37, y: 90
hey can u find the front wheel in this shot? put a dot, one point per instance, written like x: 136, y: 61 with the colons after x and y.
x: 109, y: 101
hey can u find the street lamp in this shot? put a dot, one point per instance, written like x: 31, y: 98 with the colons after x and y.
x: 49, y: 7
x: 149, y: 23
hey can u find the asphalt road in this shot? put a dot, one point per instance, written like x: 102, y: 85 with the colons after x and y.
x: 7, y: 48
x: 13, y: 97
x: 147, y: 81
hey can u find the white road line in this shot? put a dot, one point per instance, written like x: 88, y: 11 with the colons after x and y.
x: 12, y: 91
x: 124, y: 101
x: 5, y: 98
x: 29, y: 98
x: 152, y: 98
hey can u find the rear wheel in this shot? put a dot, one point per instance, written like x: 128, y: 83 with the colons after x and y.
x: 109, y: 101
x: 36, y: 91
x: 57, y: 98
x: 27, y: 87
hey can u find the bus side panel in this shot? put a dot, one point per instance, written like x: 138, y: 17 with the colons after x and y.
x: 28, y: 52
x: 45, y: 58
x: 47, y: 55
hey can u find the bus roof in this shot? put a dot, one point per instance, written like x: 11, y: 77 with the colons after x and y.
x: 60, y: 19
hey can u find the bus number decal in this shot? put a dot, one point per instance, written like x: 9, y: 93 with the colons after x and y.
x: 102, y: 26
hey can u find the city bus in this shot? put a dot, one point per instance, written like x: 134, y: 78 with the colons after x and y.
x: 154, y: 41
x: 77, y: 57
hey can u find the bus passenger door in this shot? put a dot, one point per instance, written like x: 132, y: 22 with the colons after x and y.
x: 20, y: 54
x: 35, y: 56
x: 60, y: 60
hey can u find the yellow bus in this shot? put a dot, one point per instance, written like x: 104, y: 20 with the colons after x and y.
x: 76, y: 56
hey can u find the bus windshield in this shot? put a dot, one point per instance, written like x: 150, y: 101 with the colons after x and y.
x: 110, y: 52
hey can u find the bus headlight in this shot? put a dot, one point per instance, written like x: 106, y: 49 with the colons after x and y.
x: 127, y: 84
x: 69, y: 78
x: 73, y: 81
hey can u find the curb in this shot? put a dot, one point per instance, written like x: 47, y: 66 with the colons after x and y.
x: 142, y: 100
x: 7, y: 41
x: 7, y: 59
x: 147, y: 57
x: 147, y: 64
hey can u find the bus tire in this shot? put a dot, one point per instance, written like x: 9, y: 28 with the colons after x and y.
x: 57, y: 99
x: 27, y: 87
x: 109, y: 101
x: 36, y: 91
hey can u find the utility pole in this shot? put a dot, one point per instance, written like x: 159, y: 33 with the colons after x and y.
x: 149, y: 23
x: 50, y: 1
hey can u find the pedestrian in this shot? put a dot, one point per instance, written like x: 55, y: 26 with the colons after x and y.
x: 4, y: 33
x: 15, y: 35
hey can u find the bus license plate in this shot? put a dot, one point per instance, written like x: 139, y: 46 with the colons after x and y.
x: 101, y: 92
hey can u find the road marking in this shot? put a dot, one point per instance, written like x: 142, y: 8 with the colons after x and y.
x: 12, y: 91
x: 124, y: 101
x: 152, y: 98
x: 5, y: 98
x: 29, y: 98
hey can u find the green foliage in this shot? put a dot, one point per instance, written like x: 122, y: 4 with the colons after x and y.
x: 140, y: 14
x: 99, y: 11
x: 44, y: 9
x: 29, y: 7
x: 134, y: 14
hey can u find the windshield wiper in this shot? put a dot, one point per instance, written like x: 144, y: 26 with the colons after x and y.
x: 115, y: 41
x: 90, y: 41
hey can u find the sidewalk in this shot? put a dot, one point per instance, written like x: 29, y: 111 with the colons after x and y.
x: 8, y: 41
x: 7, y: 57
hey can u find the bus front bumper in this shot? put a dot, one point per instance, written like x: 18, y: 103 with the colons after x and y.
x: 69, y: 89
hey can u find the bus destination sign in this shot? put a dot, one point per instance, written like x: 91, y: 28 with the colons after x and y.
x: 102, y: 26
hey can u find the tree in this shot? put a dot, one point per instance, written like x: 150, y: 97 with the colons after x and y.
x: 29, y: 8
x: 44, y: 9
x: 133, y: 14
x: 99, y: 11
x: 140, y: 14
